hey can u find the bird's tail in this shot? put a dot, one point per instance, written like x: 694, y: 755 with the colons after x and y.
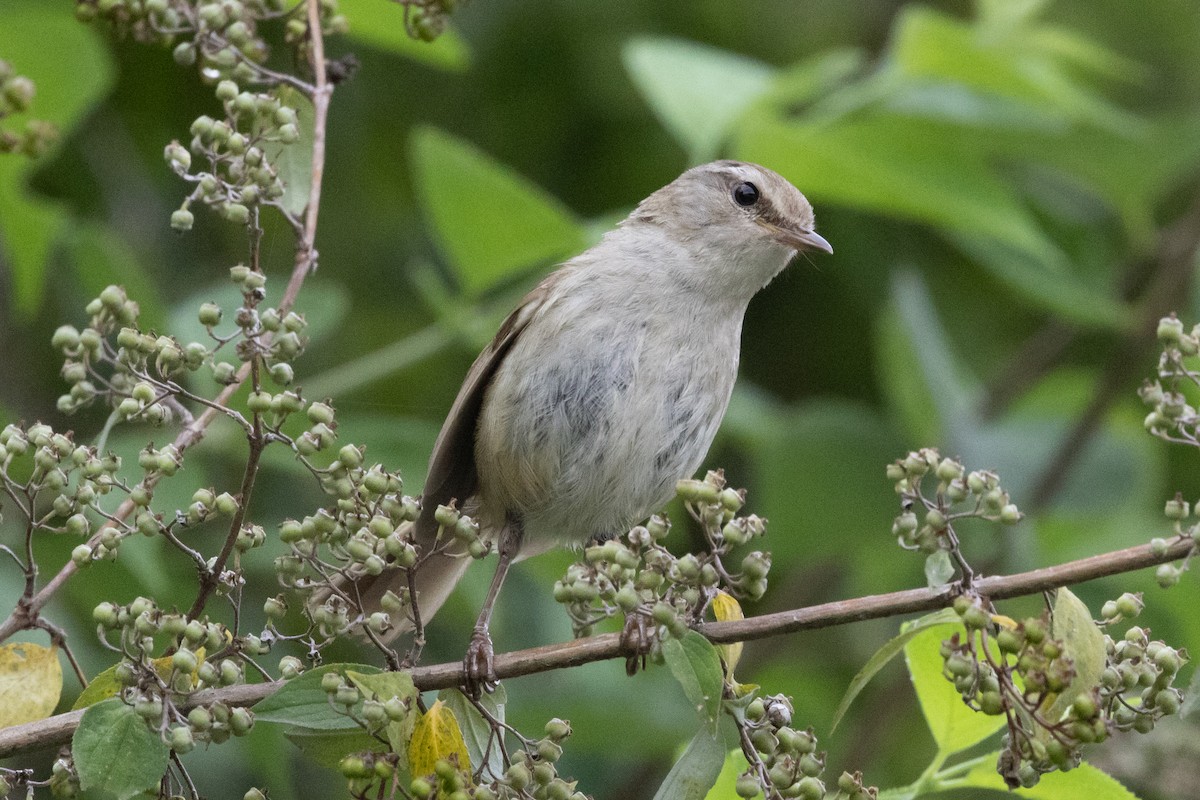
x: 435, y: 578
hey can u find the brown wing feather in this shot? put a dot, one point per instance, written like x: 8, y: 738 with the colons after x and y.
x: 452, y: 471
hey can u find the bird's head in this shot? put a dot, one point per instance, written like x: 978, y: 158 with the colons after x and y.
x: 740, y: 222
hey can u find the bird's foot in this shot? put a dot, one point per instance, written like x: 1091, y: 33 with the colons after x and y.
x: 479, y: 664
x: 637, y: 638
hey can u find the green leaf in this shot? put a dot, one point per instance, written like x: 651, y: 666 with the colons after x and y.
x: 1065, y: 294
x: 953, y: 724
x: 477, y: 731
x: 71, y: 76
x: 696, y: 771
x: 327, y: 748
x: 939, y: 569
x: 912, y: 169
x: 694, y: 662
x: 303, y: 703
x: 885, y: 654
x: 696, y: 91
x: 383, y: 686
x: 116, y: 752
x: 1085, y: 782
x: 1191, y: 696
x: 724, y: 787
x: 381, y: 25
x: 930, y: 44
x: 490, y: 222
x: 294, y: 162
x: 1082, y: 642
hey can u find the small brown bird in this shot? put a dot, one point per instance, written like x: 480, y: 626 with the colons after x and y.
x: 608, y: 382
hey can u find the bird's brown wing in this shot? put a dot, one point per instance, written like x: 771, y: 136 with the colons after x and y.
x: 453, y: 474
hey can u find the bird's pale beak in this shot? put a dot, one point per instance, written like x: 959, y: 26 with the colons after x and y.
x: 802, y: 240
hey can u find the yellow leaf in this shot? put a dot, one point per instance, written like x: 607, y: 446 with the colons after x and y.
x: 725, y: 608
x: 436, y: 736
x: 1004, y: 622
x: 30, y: 682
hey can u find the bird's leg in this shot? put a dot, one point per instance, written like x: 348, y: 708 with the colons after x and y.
x: 637, y: 637
x: 479, y: 661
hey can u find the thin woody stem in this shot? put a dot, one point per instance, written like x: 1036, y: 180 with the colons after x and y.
x: 57, y: 730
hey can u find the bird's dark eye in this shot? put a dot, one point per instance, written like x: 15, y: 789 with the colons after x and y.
x: 745, y: 194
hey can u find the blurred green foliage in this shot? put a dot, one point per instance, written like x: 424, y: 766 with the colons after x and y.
x: 1011, y: 189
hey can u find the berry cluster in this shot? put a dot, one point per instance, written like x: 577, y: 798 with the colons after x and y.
x: 636, y: 575
x: 16, y: 96
x: 239, y: 152
x: 926, y: 523
x: 221, y: 37
x: 1024, y: 672
x: 784, y: 762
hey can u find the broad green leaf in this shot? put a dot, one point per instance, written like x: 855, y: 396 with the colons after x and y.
x: 1085, y: 782
x: 885, y: 654
x: 1082, y: 642
x: 294, y: 162
x: 489, y: 222
x: 911, y: 169
x: 303, y: 703
x: 383, y: 686
x: 953, y: 724
x: 381, y: 25
x: 70, y: 76
x: 116, y: 752
x: 694, y: 662
x: 696, y: 771
x: 327, y: 748
x: 30, y: 682
x: 939, y: 569
x: 807, y: 79
x: 436, y: 737
x: 477, y: 731
x: 930, y: 44
x: 1191, y: 696
x: 696, y: 91
x: 1063, y: 293
x: 724, y: 787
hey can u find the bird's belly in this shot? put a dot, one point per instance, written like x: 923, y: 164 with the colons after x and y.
x: 593, y: 445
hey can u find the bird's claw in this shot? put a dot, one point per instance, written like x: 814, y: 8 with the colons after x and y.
x: 637, y: 638
x: 479, y: 664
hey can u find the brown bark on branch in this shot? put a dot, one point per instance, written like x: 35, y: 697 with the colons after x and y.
x: 58, y: 730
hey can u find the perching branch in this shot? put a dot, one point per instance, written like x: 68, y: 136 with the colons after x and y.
x: 57, y: 730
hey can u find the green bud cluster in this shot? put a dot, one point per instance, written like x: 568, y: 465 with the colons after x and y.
x: 16, y: 97
x: 924, y: 522
x: 112, y: 359
x: 69, y: 479
x: 426, y: 19
x: 64, y: 781
x: 219, y: 36
x: 784, y: 761
x: 367, y: 529
x: 532, y: 772
x: 204, y: 654
x: 1021, y: 671
x: 237, y: 152
x: 636, y: 574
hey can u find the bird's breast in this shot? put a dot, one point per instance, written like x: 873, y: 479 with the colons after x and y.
x: 588, y: 431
